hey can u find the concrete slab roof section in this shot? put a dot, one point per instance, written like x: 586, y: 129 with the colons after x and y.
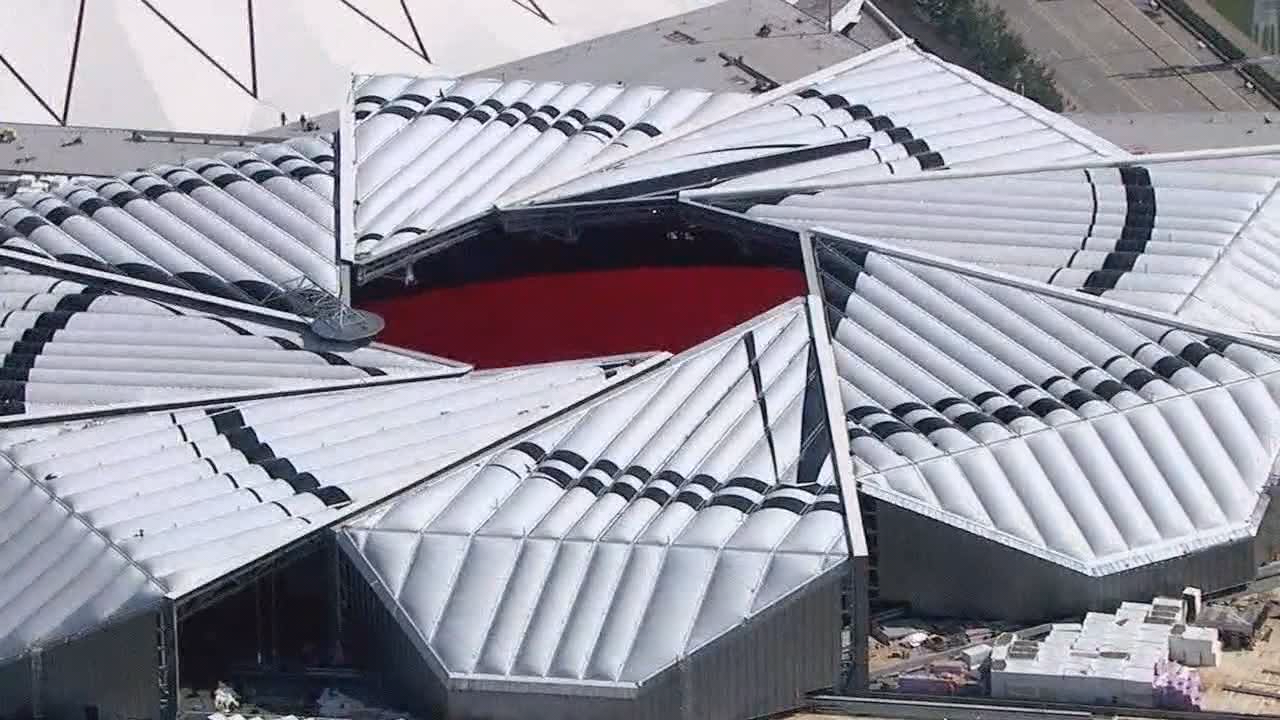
x: 74, y: 347
x: 1092, y: 434
x: 607, y: 546
x: 1195, y: 235
x: 241, y: 224
x: 1177, y: 132
x: 47, y: 149
x: 894, y: 110
x: 233, y: 67
x: 773, y: 37
x: 106, y: 520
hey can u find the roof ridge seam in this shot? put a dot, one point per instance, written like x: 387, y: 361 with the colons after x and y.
x: 72, y: 512
x: 1222, y: 253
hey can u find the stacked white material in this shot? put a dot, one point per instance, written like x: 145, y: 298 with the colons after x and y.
x: 1195, y: 646
x: 1166, y: 611
x: 1108, y: 659
x: 975, y: 656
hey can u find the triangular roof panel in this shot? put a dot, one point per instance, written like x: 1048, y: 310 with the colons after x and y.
x: 1091, y: 434
x: 109, y: 517
x: 73, y: 346
x: 891, y: 111
x: 245, y: 225
x: 1192, y: 235
x: 602, y: 548
x: 432, y: 152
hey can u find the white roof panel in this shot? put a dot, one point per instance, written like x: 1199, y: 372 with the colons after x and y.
x: 109, y: 517
x: 242, y: 225
x: 1193, y: 237
x: 1091, y: 435
x: 76, y: 347
x: 603, y: 547
x: 431, y: 152
x: 891, y: 111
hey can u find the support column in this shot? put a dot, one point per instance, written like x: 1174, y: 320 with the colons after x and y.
x: 37, y: 683
x: 167, y: 661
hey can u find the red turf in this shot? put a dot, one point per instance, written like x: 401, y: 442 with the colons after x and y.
x: 583, y: 314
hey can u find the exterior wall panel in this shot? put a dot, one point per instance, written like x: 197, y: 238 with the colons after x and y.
x: 15, y: 688
x: 374, y: 638
x: 113, y: 670
x: 1267, y: 542
x: 768, y: 664
x: 762, y: 667
x: 942, y: 570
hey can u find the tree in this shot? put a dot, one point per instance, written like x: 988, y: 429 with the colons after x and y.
x: 997, y: 53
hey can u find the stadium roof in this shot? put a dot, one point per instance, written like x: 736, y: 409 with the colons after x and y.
x: 232, y: 66
x: 241, y: 226
x: 605, y: 546
x: 432, y: 153
x: 102, y: 519
x: 1088, y: 433
x: 1190, y: 234
x: 893, y: 110
x: 658, y: 503
x: 75, y: 346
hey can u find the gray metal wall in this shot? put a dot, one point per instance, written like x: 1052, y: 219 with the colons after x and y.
x: 113, y: 670
x: 1267, y: 543
x: 944, y: 571
x: 759, y: 668
x: 371, y: 633
x: 15, y: 688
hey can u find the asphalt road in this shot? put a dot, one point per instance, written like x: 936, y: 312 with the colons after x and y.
x: 1107, y: 56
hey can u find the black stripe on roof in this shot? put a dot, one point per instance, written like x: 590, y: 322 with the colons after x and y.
x: 930, y: 424
x: 638, y: 472
x: 533, y: 450
x: 647, y: 129
x: 12, y: 391
x: 692, y: 499
x: 402, y: 111
x: 744, y: 481
x: 558, y: 476
x: 1138, y: 378
x: 737, y: 502
x: 1045, y: 405
x: 784, y: 502
x: 331, y: 495
x: 1195, y: 353
x: 59, y: 214
x: 1108, y: 389
x: 29, y: 224
x: 655, y: 494
x: 623, y: 489
x: 1078, y: 397
x: 1170, y: 364
x: 906, y: 408
x: 157, y: 190
x: 569, y: 457
x: 606, y: 466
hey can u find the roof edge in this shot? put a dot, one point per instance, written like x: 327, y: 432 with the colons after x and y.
x: 1127, y: 160
x: 1039, y: 288
x: 540, y: 192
